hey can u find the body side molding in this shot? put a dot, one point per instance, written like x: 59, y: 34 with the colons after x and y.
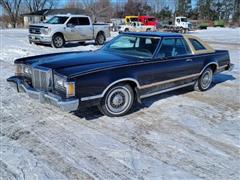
x: 108, y: 87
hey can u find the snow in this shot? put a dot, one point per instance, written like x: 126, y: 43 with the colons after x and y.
x: 178, y: 135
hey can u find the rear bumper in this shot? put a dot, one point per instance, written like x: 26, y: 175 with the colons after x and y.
x: 44, y: 97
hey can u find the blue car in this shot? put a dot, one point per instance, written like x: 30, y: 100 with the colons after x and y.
x: 129, y: 68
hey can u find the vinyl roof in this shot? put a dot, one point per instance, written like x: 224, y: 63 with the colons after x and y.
x: 157, y: 34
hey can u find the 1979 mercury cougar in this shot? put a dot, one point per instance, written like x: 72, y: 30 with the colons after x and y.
x: 130, y: 67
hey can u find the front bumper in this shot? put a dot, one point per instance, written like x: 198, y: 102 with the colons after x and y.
x: 39, y: 38
x: 67, y: 105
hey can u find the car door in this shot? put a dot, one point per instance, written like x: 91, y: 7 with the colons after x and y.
x: 85, y: 28
x: 72, y: 31
x: 173, y: 64
x: 79, y: 28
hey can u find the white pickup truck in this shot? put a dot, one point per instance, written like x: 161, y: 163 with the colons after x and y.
x: 136, y: 26
x: 64, y: 28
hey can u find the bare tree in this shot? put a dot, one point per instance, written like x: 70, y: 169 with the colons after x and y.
x: 157, y: 5
x: 12, y: 7
x: 236, y: 12
x: 73, y: 4
x: 37, y: 5
x: 97, y: 8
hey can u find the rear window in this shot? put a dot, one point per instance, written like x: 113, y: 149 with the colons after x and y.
x: 197, y: 45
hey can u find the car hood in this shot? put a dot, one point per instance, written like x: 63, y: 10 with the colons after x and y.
x: 46, y: 25
x: 72, y: 63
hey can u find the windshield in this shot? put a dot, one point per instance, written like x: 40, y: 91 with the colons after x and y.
x: 57, y: 20
x: 138, y: 46
x: 184, y: 19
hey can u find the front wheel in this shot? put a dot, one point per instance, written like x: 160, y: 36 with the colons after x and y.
x: 58, y: 41
x: 205, y: 80
x: 118, y: 101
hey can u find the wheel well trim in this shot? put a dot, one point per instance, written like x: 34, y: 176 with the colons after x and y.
x: 109, y: 86
x: 209, y: 64
x: 59, y: 33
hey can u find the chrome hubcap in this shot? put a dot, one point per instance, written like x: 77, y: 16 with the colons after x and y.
x: 206, y: 79
x: 118, y: 100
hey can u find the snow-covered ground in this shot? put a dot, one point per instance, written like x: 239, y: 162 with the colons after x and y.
x: 178, y: 135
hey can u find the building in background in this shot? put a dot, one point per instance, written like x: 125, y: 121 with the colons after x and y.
x: 39, y: 16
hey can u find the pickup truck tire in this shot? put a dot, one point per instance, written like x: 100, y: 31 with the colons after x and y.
x: 100, y: 39
x: 205, y: 80
x: 117, y: 101
x: 58, y: 41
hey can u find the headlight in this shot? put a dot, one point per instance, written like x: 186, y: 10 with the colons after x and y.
x: 27, y: 70
x: 61, y: 85
x: 23, y: 70
x: 45, y: 30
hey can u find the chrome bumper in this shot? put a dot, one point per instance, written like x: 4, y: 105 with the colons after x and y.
x: 44, y: 97
x: 39, y: 38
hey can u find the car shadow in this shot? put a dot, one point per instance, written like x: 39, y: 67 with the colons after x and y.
x: 220, y: 78
x: 88, y: 113
x: 77, y: 44
x: 92, y: 113
x: 69, y: 45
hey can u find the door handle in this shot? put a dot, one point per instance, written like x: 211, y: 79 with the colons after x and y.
x: 189, y: 60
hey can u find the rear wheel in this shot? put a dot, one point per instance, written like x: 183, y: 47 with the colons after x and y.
x: 205, y: 80
x: 117, y: 101
x: 58, y: 41
x: 100, y: 39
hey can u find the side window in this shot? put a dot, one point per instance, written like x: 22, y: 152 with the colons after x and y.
x: 83, y: 21
x: 171, y: 47
x: 73, y: 21
x: 181, y: 48
x: 197, y: 45
x: 148, y: 41
x: 166, y: 49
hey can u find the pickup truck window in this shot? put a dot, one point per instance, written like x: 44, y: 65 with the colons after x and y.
x: 57, y: 20
x: 79, y: 21
x: 171, y: 47
x: 73, y: 21
x: 83, y: 21
x: 196, y: 44
x: 143, y: 47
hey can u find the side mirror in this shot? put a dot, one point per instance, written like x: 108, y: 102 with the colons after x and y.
x: 70, y: 25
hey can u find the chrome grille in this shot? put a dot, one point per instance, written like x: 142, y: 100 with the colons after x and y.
x: 34, y: 29
x: 41, y: 79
